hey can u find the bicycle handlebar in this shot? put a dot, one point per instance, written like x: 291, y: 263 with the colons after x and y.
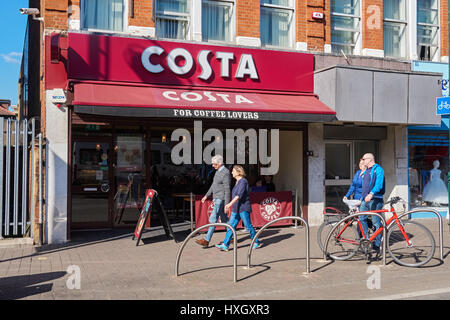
x: 354, y: 204
x: 395, y: 200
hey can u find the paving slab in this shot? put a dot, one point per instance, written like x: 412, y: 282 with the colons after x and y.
x: 111, y: 266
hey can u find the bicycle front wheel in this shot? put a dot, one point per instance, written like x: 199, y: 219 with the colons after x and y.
x: 323, y: 231
x: 419, y: 251
x: 344, y: 241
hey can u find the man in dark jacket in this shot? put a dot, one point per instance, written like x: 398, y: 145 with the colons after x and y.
x: 220, y: 189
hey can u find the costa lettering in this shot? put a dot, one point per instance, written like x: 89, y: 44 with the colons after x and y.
x: 208, y: 95
x: 246, y: 66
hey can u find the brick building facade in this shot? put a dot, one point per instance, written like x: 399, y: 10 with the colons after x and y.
x: 348, y: 44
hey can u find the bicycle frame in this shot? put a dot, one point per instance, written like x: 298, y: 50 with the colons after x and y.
x: 379, y: 230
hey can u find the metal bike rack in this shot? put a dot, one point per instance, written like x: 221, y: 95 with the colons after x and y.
x: 276, y: 220
x: 191, y: 207
x: 441, y: 239
x: 368, y: 213
x: 203, y: 227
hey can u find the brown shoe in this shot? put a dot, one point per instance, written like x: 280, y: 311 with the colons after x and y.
x: 202, y: 242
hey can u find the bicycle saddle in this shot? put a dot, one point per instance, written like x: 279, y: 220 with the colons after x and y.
x: 352, y: 204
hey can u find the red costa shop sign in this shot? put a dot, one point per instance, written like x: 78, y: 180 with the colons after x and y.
x: 122, y: 59
x: 266, y: 207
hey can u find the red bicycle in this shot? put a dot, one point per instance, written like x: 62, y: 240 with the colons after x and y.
x: 409, y: 243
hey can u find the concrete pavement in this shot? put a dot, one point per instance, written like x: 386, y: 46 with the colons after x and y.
x: 107, y: 264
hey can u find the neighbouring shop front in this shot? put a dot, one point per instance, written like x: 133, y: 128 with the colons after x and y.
x: 374, y: 108
x: 128, y: 110
x: 428, y: 149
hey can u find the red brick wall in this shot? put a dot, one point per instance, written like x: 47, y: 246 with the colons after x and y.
x: 143, y: 13
x: 372, y: 24
x: 247, y: 18
x: 301, y: 35
x: 317, y: 31
x: 55, y: 14
x: 444, y: 27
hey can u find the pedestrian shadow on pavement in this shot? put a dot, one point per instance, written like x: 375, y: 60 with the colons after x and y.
x: 84, y: 238
x: 18, y: 287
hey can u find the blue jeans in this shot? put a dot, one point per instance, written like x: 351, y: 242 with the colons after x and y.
x: 218, y: 211
x: 374, y: 204
x: 234, y: 220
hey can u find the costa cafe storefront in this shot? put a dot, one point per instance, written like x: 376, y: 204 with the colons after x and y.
x: 126, y: 97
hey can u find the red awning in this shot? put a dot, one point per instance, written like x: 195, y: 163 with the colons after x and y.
x: 151, y: 101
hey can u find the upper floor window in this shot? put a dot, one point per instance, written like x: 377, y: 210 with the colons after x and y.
x: 345, y: 25
x: 105, y: 15
x: 427, y: 29
x: 394, y: 28
x: 172, y: 19
x: 276, y: 22
x: 217, y: 19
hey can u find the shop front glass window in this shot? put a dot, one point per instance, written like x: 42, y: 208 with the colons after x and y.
x: 428, y: 169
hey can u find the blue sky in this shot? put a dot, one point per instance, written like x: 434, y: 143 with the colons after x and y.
x: 12, y: 35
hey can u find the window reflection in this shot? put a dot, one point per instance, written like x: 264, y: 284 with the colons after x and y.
x: 428, y: 169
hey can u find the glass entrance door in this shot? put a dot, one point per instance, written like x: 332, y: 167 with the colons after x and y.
x: 341, y: 163
x: 91, y: 177
x: 129, y: 177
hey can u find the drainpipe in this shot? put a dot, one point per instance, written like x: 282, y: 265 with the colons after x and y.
x: 41, y: 230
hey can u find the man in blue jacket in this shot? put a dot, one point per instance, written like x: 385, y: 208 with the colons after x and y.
x: 373, y: 189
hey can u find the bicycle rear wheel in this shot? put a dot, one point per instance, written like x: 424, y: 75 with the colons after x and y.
x: 416, y: 254
x: 344, y: 242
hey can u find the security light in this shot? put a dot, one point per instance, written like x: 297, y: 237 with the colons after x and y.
x: 31, y: 12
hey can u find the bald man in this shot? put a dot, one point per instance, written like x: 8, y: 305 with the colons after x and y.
x: 373, y: 188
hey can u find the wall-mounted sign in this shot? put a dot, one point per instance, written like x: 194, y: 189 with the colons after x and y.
x: 58, y: 96
x: 145, y: 61
x: 216, y: 114
x: 317, y: 15
x: 246, y: 66
x: 442, y: 105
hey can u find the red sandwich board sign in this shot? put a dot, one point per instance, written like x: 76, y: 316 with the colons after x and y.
x: 150, y: 197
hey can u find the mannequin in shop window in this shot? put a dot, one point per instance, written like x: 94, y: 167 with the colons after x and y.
x: 435, y: 191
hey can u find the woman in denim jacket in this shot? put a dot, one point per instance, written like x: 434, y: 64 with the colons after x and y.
x: 356, y: 187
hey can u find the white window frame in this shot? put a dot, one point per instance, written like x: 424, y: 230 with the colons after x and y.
x: 292, y: 26
x: 232, y: 22
x: 437, y: 55
x: 169, y: 15
x: 407, y: 31
x: 358, y: 43
x: 125, y: 20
